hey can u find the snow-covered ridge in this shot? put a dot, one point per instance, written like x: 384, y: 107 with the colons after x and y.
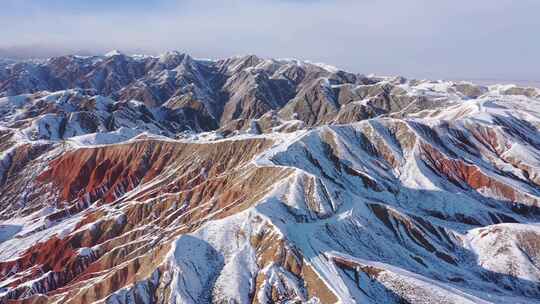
x: 164, y: 179
x: 445, y: 91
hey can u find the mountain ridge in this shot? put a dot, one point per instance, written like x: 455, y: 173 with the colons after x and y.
x: 247, y: 180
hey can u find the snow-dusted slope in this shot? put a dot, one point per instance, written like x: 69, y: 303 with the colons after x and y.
x: 312, y: 186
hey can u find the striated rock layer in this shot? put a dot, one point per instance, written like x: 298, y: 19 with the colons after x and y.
x: 312, y: 185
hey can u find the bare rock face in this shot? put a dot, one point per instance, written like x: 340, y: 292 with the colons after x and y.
x: 139, y: 179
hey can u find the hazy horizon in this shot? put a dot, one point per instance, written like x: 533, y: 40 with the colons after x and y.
x: 417, y: 38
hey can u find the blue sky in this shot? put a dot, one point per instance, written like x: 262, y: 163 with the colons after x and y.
x: 495, y: 39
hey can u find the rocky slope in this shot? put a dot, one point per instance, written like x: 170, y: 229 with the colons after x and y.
x: 138, y: 179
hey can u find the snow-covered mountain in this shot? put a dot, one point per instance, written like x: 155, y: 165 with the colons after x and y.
x: 169, y: 179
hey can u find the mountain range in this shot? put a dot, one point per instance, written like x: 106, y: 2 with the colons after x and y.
x: 171, y: 179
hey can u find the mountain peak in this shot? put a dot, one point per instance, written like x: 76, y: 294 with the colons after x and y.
x: 113, y: 53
